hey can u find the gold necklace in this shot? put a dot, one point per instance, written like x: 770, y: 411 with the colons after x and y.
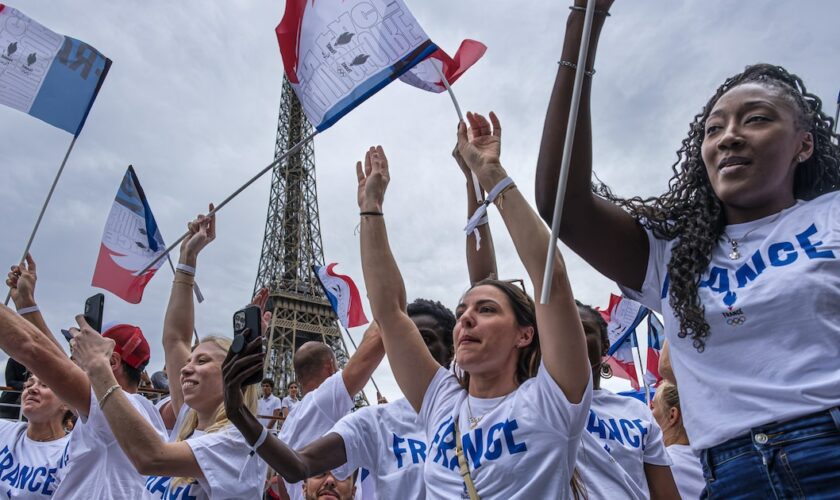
x: 474, y: 421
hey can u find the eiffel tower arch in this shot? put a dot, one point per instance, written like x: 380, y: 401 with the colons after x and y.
x: 291, y: 246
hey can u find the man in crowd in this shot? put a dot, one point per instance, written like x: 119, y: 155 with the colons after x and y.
x: 268, y: 405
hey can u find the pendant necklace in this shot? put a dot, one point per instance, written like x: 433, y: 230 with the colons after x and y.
x: 734, y: 253
x: 474, y: 421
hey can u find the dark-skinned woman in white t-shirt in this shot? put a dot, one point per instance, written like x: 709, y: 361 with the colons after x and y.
x: 740, y: 255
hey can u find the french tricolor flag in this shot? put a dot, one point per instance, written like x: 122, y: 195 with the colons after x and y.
x: 343, y: 296
x: 425, y: 76
x: 624, y: 316
x: 655, y: 339
x: 50, y: 76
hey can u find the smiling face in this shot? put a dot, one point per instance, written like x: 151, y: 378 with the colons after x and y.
x: 487, y: 337
x: 326, y: 487
x: 201, y: 378
x: 751, y: 148
x: 39, y: 403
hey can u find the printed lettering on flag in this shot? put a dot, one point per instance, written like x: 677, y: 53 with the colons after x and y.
x: 426, y: 77
x: 343, y: 296
x: 625, y: 316
x: 338, y: 54
x: 655, y: 339
x: 130, y: 241
x: 50, y: 76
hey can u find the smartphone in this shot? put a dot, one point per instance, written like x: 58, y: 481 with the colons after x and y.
x: 93, y: 311
x: 67, y: 334
x: 247, y: 325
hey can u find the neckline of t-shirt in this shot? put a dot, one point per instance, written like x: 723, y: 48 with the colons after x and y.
x: 34, y: 442
x: 737, y: 231
x: 487, y: 404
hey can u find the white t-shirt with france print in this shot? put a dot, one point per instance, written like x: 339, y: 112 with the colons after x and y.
x: 28, y: 468
x: 524, y: 446
x: 687, y: 470
x: 230, y: 470
x: 96, y: 466
x: 621, y: 436
x: 313, y: 417
x: 388, y: 442
x: 771, y: 354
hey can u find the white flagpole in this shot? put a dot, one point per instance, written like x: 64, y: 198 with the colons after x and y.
x: 233, y: 195
x: 837, y: 114
x: 44, y: 207
x: 567, y: 151
x: 476, y: 185
x: 644, y: 382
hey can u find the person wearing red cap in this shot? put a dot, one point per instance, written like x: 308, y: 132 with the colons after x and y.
x: 93, y: 465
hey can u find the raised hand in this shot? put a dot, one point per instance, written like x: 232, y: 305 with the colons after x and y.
x: 260, y: 300
x: 202, y: 232
x: 480, y: 145
x: 21, y: 282
x: 236, y: 368
x: 90, y: 349
x: 373, y: 180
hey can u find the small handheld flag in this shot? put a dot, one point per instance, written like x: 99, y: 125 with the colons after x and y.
x: 655, y: 339
x: 50, y: 76
x: 338, y: 54
x: 425, y: 76
x: 130, y: 240
x: 343, y: 296
x: 623, y: 316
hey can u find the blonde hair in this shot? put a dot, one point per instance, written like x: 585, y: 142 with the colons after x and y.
x: 220, y: 419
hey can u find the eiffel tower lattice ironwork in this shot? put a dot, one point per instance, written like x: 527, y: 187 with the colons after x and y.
x: 291, y: 246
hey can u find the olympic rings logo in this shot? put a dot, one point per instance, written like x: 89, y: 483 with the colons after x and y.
x: 736, y: 321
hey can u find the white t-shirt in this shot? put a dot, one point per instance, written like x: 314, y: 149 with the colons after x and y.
x: 230, y: 470
x: 523, y: 447
x: 289, y: 402
x: 317, y: 412
x: 388, y: 442
x: 621, y: 437
x: 687, y: 471
x: 771, y: 354
x: 266, y: 406
x: 96, y: 466
x: 28, y: 468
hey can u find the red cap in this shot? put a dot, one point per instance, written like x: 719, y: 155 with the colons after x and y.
x: 131, y: 345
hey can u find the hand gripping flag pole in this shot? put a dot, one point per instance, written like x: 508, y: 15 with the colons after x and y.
x: 567, y: 151
x: 294, y: 149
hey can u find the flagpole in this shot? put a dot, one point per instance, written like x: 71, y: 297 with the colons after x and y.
x: 44, y: 208
x: 639, y: 354
x: 567, y: 151
x: 837, y: 114
x: 233, y: 195
x: 195, y: 289
x: 355, y: 348
x: 476, y: 185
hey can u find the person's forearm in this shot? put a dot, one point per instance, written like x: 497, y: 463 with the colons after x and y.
x: 35, y: 317
x: 556, y: 122
x: 180, y: 312
x: 481, y: 262
x: 384, y: 283
x: 363, y: 363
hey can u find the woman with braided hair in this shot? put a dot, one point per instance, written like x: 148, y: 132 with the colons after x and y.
x: 741, y: 256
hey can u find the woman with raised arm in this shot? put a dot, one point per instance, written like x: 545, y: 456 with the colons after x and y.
x: 512, y: 411
x: 746, y: 233
x: 206, y: 457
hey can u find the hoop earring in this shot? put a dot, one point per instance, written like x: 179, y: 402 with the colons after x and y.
x: 606, y: 371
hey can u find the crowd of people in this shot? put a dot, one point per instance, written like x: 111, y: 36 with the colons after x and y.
x: 502, y: 395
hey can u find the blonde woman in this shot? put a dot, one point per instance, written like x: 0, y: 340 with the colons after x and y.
x: 205, y: 457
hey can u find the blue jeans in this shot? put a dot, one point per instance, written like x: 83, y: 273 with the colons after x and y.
x: 795, y: 459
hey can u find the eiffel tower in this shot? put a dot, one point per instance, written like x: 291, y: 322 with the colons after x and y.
x: 291, y: 246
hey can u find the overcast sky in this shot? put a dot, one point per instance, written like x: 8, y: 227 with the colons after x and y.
x: 192, y: 101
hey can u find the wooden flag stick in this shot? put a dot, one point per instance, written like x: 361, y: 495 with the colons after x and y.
x: 233, y: 195
x: 567, y: 151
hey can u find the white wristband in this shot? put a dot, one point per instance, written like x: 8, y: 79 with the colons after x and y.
x: 186, y: 269
x: 28, y: 310
x: 260, y: 440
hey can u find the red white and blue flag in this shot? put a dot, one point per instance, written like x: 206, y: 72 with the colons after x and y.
x: 343, y: 296
x: 50, y: 76
x: 655, y: 339
x: 338, y: 54
x: 425, y: 76
x: 130, y: 241
x: 624, y: 316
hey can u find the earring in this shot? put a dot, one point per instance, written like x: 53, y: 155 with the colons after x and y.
x: 800, y: 158
x: 606, y: 370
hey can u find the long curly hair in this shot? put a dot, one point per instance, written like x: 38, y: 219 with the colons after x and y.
x: 692, y: 213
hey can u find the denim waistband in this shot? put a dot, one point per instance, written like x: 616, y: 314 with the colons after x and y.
x: 775, y: 434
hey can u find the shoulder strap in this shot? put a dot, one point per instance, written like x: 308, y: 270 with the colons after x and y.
x: 462, y: 464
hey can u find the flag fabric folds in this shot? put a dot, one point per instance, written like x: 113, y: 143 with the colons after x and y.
x: 131, y: 239
x: 338, y: 54
x: 656, y: 335
x: 52, y: 77
x: 426, y: 77
x: 623, y: 316
x: 343, y: 296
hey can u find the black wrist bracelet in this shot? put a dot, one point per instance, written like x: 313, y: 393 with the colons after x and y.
x: 380, y: 214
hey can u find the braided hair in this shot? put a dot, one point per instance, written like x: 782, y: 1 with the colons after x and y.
x: 691, y: 212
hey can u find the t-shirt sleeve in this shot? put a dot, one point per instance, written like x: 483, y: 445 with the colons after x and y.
x: 332, y: 398
x: 439, y: 400
x: 227, y: 464
x: 651, y: 293
x: 562, y: 415
x: 360, y: 444
x: 655, y: 452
